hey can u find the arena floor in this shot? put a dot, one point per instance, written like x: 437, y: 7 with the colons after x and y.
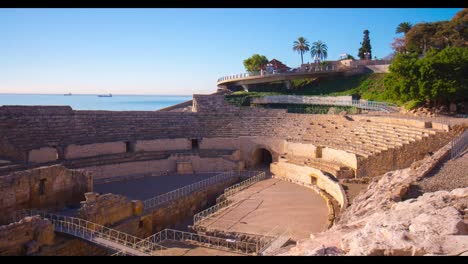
x: 273, y: 204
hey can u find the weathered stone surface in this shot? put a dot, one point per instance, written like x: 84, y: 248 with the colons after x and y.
x: 25, y: 236
x: 107, y: 209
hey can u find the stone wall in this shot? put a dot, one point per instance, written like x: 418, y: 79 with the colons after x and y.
x: 131, y: 168
x: 340, y: 156
x: 308, y: 175
x: 26, y: 236
x: 163, y: 144
x: 52, y: 187
x: 219, y: 143
x: 89, y: 150
x: 300, y: 149
x: 42, y: 155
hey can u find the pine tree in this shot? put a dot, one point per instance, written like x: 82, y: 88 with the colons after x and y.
x: 366, y: 46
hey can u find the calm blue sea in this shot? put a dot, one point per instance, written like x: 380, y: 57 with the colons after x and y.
x: 93, y: 102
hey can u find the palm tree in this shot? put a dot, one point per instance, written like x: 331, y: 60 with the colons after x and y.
x: 404, y: 27
x: 319, y: 50
x: 301, y: 45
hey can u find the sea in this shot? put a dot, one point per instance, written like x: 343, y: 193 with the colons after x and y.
x: 93, y: 102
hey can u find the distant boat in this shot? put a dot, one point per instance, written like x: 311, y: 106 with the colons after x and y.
x: 105, y: 95
x: 68, y: 94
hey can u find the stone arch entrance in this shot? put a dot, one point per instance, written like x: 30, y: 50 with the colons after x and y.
x: 262, y: 157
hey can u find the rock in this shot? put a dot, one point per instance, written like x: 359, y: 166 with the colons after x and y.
x: 31, y: 247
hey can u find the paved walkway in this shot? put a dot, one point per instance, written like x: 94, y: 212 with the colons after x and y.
x: 273, y: 203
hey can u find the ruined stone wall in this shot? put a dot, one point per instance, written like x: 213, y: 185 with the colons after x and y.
x: 108, y: 209
x: 65, y: 245
x: 61, y: 187
x: 340, y: 156
x: 44, y: 154
x: 26, y: 236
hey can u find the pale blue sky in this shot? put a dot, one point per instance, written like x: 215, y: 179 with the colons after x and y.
x: 175, y: 51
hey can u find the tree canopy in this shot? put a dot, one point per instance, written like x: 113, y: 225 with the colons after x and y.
x: 301, y: 45
x: 404, y: 27
x: 365, y: 46
x: 438, y: 35
x: 437, y: 78
x: 319, y: 50
x: 255, y: 63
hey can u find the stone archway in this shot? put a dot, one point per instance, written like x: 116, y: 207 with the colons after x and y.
x: 262, y: 157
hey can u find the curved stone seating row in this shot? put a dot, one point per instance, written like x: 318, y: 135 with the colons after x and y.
x: 336, y: 169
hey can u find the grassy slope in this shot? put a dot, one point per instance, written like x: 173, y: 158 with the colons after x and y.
x: 368, y: 86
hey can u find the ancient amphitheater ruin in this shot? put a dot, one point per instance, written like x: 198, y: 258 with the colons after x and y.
x: 227, y: 180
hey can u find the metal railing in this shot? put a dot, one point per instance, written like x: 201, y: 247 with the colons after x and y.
x: 197, y: 218
x: 256, y: 177
x: 156, y: 202
x: 203, y: 240
x: 329, y: 68
x: 275, y: 243
x: 459, y: 144
x: 95, y: 233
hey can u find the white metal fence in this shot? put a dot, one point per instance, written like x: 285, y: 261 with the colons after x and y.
x: 255, y: 177
x: 197, y: 218
x: 203, y: 240
x: 98, y: 234
x: 459, y: 144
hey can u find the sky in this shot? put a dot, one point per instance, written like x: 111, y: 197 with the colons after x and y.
x: 175, y: 51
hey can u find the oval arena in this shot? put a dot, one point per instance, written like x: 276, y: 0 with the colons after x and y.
x: 219, y: 180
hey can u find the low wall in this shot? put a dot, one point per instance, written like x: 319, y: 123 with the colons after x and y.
x: 52, y: 187
x: 26, y: 236
x: 90, y: 150
x: 219, y: 143
x: 306, y: 174
x: 300, y: 149
x: 131, y: 168
x: 340, y: 156
x: 41, y: 155
x: 163, y: 144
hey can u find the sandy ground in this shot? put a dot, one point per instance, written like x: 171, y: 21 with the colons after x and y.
x: 273, y: 204
x: 148, y: 187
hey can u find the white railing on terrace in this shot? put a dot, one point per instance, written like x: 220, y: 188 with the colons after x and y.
x: 222, y: 202
x: 329, y: 68
x: 203, y: 240
x: 363, y: 104
x: 156, y: 202
x: 255, y: 177
x: 459, y: 144
x: 98, y: 234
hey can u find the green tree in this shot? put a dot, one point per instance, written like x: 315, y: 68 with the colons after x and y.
x: 255, y: 63
x: 437, y: 78
x: 301, y: 45
x: 319, y: 50
x: 365, y: 47
x: 404, y: 27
